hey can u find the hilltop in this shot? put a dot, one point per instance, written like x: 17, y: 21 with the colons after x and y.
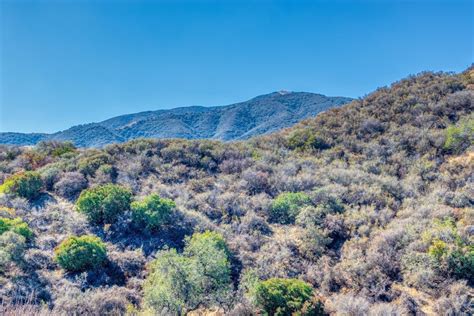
x: 261, y: 115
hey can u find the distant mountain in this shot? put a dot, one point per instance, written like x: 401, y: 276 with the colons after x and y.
x: 260, y: 115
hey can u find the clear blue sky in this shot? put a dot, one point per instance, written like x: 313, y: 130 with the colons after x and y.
x: 69, y: 62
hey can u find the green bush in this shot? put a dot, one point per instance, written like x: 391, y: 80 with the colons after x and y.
x: 152, y: 212
x: 305, y: 139
x: 12, y: 248
x: 104, y: 204
x: 283, y: 296
x: 89, y: 164
x: 198, y: 277
x: 460, y: 136
x: 450, y: 253
x: 287, y: 206
x: 15, y: 225
x: 55, y: 148
x: 24, y: 184
x: 78, y: 254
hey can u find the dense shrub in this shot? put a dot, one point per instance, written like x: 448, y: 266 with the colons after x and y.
x: 70, y: 185
x: 283, y: 297
x: 12, y: 247
x: 152, y: 212
x: 55, y: 148
x: 305, y: 139
x: 15, y: 225
x: 24, y: 184
x: 89, y: 164
x: 104, y: 204
x: 201, y: 276
x: 287, y: 206
x: 460, y: 136
x: 450, y: 252
x: 81, y: 253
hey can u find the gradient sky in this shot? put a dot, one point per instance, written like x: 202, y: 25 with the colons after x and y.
x: 64, y: 63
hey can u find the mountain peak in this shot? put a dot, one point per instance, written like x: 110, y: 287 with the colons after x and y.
x: 261, y: 115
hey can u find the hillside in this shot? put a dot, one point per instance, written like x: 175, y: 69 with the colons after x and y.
x: 365, y: 209
x: 260, y: 115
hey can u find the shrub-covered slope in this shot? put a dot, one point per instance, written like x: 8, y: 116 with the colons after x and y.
x: 364, y: 209
x: 260, y: 115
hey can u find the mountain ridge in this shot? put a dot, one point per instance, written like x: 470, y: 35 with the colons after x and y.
x: 260, y: 115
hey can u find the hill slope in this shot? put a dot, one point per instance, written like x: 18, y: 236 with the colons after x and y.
x: 261, y: 115
x: 370, y: 205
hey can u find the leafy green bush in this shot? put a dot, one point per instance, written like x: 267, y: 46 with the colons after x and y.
x: 460, y: 136
x: 89, y: 164
x: 104, y: 204
x: 81, y: 253
x: 55, y: 148
x: 200, y: 276
x: 12, y: 248
x: 24, y: 184
x: 305, y: 139
x: 449, y: 251
x: 287, y: 206
x: 15, y: 225
x: 152, y: 212
x: 283, y: 296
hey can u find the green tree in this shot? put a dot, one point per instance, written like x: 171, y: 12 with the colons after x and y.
x: 171, y: 287
x: 283, y: 297
x: 210, y: 257
x: 287, y: 206
x: 25, y: 184
x: 200, y: 276
x: 104, y: 204
x: 81, y: 253
x: 152, y: 212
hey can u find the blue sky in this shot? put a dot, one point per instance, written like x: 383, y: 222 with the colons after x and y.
x: 64, y: 63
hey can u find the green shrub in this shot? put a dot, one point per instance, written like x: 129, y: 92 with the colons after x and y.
x: 81, y: 253
x: 171, y: 284
x: 152, y: 212
x: 450, y: 253
x: 55, y: 148
x: 12, y: 248
x: 104, y: 204
x: 89, y: 164
x: 15, y: 225
x: 460, y: 136
x: 283, y: 296
x: 287, y: 206
x: 198, y: 277
x: 305, y: 139
x: 24, y: 184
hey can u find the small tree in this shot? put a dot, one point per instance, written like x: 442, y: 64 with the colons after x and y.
x: 77, y: 254
x: 200, y: 276
x: 24, y: 184
x: 287, y: 206
x: 152, y: 212
x: 210, y: 256
x: 283, y: 296
x: 104, y: 204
